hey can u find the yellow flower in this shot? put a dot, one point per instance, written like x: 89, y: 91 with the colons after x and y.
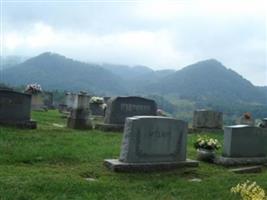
x: 249, y: 191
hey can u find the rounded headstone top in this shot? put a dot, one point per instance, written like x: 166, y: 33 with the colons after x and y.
x: 130, y: 97
x: 83, y: 93
x: 150, y: 117
x: 237, y: 126
x: 201, y: 110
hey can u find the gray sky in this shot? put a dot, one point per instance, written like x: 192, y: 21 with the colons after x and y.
x: 158, y: 34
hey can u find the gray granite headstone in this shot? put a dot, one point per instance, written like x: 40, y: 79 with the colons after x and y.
x: 207, y: 119
x: 79, y: 116
x: 264, y: 123
x: 106, y: 99
x: 244, y: 141
x: 119, y: 108
x: 48, y: 99
x: 37, y: 102
x: 244, y: 144
x: 69, y: 100
x: 15, y: 109
x: 152, y: 142
x: 96, y: 109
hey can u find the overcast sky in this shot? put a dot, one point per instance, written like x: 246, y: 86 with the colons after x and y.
x: 158, y: 34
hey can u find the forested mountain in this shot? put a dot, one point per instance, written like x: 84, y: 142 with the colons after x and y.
x: 205, y: 84
x: 208, y: 81
x: 54, y: 71
x: 263, y: 89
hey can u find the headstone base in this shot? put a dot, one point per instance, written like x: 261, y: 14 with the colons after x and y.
x: 109, y: 127
x: 79, y: 124
x: 22, y: 124
x: 251, y: 169
x: 229, y: 161
x: 118, y: 166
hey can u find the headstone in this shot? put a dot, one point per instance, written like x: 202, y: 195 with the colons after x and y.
x: 96, y: 109
x: 106, y: 99
x: 15, y: 109
x: 152, y: 143
x: 119, y: 108
x: 244, y: 144
x: 69, y: 100
x: 48, y: 100
x: 37, y: 102
x: 62, y: 108
x: 246, y: 119
x: 79, y: 116
x: 207, y: 119
x: 96, y: 105
x: 264, y: 123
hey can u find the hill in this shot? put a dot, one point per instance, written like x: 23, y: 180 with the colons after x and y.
x: 263, y: 89
x: 54, y: 71
x: 204, y: 84
x: 208, y: 81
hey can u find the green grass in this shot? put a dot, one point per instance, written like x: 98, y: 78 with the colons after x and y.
x: 54, y: 163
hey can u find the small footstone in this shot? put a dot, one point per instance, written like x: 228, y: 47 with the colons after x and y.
x: 90, y: 179
x: 58, y: 125
x: 195, y: 180
x: 251, y: 169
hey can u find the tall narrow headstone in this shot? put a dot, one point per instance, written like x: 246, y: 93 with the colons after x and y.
x: 48, y: 100
x: 152, y: 143
x: 264, y: 123
x: 69, y: 100
x: 79, y: 116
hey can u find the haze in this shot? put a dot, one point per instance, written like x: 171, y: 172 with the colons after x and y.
x: 158, y: 34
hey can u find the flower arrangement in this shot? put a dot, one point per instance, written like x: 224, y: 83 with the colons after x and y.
x: 33, y: 88
x: 247, y: 115
x: 207, y: 143
x: 249, y: 191
x: 97, y: 100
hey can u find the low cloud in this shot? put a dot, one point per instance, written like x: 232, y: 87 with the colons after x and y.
x: 159, y: 34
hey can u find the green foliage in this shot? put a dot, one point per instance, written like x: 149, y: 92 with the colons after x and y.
x: 56, y: 163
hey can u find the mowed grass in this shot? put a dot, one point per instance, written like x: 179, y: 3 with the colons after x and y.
x: 52, y: 162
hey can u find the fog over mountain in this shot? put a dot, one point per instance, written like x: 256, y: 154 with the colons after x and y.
x: 158, y: 34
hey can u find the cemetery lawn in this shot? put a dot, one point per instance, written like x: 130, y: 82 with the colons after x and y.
x: 54, y: 162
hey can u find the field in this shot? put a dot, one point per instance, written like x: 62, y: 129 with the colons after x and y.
x: 54, y: 162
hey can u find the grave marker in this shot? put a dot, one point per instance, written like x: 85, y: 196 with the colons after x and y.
x: 152, y: 143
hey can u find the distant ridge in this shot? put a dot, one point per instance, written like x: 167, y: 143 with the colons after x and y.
x: 204, y: 81
x: 54, y: 71
x: 209, y: 80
